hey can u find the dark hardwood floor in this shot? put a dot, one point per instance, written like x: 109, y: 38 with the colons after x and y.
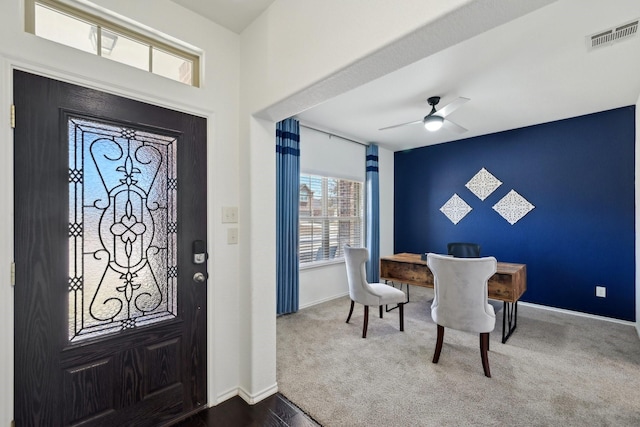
x: 275, y: 410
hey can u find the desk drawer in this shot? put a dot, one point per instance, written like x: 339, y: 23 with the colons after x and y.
x: 404, y: 272
x: 501, y: 287
x: 509, y: 286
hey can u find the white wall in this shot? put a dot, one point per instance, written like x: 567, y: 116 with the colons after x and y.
x: 322, y: 283
x: 6, y: 248
x: 217, y: 100
x: 386, y: 166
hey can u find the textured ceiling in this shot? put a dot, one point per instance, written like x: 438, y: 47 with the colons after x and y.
x: 519, y: 63
x: 531, y: 70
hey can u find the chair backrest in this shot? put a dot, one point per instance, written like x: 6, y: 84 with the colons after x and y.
x: 460, y: 285
x: 320, y: 253
x: 359, y: 289
x: 463, y: 250
x: 332, y: 251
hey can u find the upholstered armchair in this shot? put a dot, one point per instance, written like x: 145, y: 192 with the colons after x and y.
x: 369, y: 294
x: 460, y: 301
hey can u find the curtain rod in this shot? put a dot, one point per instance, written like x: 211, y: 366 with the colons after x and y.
x: 333, y: 134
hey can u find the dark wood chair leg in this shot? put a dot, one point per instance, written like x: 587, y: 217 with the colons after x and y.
x: 401, y: 309
x: 484, y: 348
x: 366, y: 321
x: 436, y: 354
x: 381, y: 312
x: 350, y: 311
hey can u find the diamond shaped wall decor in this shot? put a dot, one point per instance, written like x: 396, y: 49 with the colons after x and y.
x: 513, y: 207
x: 483, y: 184
x: 455, y: 209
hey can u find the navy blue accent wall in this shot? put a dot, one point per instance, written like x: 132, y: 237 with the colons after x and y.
x: 579, y: 175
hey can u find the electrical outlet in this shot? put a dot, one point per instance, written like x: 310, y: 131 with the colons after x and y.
x: 232, y: 236
x: 601, y: 291
x: 229, y: 214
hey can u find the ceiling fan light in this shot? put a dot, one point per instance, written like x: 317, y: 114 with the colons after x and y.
x: 433, y: 123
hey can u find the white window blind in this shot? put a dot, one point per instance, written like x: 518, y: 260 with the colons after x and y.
x: 331, y: 215
x: 326, y: 155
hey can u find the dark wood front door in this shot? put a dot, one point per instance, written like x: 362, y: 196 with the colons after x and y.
x: 110, y: 194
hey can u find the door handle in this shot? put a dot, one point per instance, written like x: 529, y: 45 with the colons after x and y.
x: 199, y: 277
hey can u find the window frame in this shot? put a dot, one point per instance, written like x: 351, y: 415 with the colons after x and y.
x: 130, y: 31
x: 327, y: 220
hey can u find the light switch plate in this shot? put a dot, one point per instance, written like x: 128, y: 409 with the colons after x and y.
x: 232, y: 236
x: 229, y: 214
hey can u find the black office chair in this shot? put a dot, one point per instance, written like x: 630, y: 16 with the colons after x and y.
x: 463, y: 250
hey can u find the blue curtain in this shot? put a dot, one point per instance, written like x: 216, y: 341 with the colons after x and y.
x: 287, y: 194
x: 373, y: 214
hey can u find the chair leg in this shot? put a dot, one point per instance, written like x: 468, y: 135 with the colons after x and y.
x: 366, y: 321
x: 401, y: 308
x: 381, y: 312
x: 436, y: 354
x: 350, y: 311
x: 484, y: 348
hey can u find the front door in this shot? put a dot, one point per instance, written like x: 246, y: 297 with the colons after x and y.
x: 110, y: 301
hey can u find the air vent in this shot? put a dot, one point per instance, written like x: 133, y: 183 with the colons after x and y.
x: 612, y: 35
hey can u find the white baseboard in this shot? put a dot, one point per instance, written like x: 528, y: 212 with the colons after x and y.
x: 247, y: 397
x: 528, y: 304
x: 226, y: 395
x: 312, y: 303
x: 578, y: 313
x: 252, y: 399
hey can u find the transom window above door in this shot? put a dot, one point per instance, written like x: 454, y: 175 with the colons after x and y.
x: 98, y: 35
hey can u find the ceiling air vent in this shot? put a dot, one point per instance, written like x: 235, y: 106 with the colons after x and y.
x: 612, y: 35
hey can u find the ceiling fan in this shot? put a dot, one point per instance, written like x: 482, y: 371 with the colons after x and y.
x: 437, y: 119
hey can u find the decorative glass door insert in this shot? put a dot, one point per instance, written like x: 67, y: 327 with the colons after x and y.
x: 122, y: 228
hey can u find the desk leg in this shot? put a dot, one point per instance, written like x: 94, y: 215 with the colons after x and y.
x: 510, y: 319
x: 386, y: 307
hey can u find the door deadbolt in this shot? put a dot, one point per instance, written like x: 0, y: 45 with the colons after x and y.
x: 199, y: 277
x: 199, y: 252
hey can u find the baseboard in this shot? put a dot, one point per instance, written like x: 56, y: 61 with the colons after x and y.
x: 310, y: 304
x: 252, y: 399
x: 226, y: 395
x: 528, y: 304
x: 578, y: 313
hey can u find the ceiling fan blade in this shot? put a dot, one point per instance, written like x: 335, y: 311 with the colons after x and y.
x: 449, y: 125
x: 452, y: 106
x: 402, y: 124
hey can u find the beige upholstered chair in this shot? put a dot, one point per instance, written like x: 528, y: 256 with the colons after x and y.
x: 460, y: 300
x: 365, y: 293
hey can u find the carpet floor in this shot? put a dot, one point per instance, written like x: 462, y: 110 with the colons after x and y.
x: 557, y: 369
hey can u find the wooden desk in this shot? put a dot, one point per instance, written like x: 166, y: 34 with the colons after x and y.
x: 507, y: 284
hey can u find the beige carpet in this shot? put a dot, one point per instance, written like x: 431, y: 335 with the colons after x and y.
x: 556, y: 370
